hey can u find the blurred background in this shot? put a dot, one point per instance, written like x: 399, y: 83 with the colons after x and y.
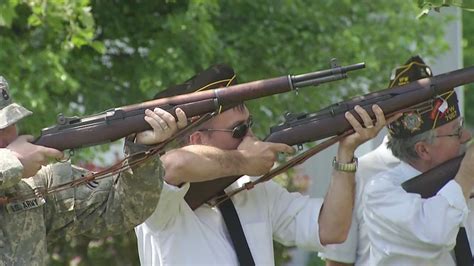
x: 80, y: 57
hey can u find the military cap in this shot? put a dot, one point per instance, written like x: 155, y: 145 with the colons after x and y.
x: 427, y: 115
x: 216, y: 76
x: 10, y: 112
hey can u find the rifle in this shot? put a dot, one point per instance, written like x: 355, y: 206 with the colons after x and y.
x: 302, y: 128
x: 429, y: 183
x: 117, y: 123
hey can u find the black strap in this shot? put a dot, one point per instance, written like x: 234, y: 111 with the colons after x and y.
x: 236, y: 232
x: 462, y: 250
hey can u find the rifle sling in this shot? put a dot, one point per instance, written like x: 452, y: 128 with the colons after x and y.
x: 234, y: 227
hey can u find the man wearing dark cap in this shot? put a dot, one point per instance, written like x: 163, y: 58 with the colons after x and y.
x: 241, y: 230
x: 110, y: 205
x: 355, y: 250
x: 403, y: 228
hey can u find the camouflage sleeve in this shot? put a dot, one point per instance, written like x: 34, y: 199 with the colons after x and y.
x: 11, y: 169
x: 107, y: 206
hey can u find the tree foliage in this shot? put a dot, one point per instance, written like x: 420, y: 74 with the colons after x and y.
x: 84, y: 56
x: 427, y: 5
x: 468, y: 56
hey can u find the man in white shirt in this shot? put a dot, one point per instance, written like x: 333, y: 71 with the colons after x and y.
x: 403, y: 228
x: 355, y: 250
x: 177, y: 235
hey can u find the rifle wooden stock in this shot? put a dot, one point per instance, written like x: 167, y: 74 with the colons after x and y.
x: 114, y: 124
x: 430, y: 182
x: 330, y: 121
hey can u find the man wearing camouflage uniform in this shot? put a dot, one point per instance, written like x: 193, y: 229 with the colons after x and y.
x: 111, y: 205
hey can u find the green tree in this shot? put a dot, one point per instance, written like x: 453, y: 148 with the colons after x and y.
x: 427, y: 5
x: 468, y: 56
x: 84, y: 56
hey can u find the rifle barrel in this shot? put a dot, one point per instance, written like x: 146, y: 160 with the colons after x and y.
x: 328, y: 72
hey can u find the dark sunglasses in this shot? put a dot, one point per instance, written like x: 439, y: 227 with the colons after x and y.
x: 457, y: 133
x: 238, y: 132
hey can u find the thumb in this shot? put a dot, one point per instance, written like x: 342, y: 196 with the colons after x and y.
x: 26, y: 138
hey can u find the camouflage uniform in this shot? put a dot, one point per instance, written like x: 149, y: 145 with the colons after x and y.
x: 111, y: 205
x: 10, y: 169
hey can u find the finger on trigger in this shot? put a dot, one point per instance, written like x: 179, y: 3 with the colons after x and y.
x: 290, y: 150
x: 280, y: 147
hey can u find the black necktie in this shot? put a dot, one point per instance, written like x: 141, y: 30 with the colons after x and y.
x: 462, y: 251
x: 236, y: 232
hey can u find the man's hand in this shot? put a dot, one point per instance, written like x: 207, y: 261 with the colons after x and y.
x: 260, y: 156
x: 366, y: 132
x: 348, y: 145
x: 164, y: 125
x: 31, y: 156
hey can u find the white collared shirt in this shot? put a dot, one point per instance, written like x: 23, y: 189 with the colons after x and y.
x: 405, y: 229
x: 177, y: 235
x: 469, y: 224
x: 356, y: 247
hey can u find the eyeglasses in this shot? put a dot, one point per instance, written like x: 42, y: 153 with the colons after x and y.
x: 238, y: 132
x: 457, y: 133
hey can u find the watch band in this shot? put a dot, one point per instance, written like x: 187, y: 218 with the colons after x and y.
x: 345, y: 167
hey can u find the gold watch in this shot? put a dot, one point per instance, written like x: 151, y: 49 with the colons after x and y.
x: 345, y: 167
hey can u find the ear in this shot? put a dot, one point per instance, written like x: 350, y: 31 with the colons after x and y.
x: 196, y: 138
x: 423, y: 150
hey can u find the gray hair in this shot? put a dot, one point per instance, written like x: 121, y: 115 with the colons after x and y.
x: 404, y: 148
